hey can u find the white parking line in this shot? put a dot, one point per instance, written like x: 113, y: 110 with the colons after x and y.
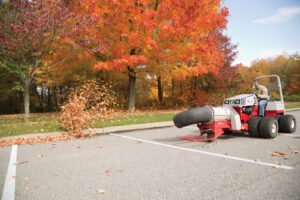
x: 206, y: 153
x: 10, y: 181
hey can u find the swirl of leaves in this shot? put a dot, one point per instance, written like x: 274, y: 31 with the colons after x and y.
x: 88, y: 101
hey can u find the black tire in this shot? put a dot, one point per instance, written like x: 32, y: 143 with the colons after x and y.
x: 278, y: 119
x: 287, y: 124
x: 268, y: 127
x: 253, y: 126
x: 193, y: 116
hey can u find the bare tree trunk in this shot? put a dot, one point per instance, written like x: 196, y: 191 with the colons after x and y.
x: 173, y: 88
x: 27, y: 100
x: 49, y: 97
x: 42, y: 100
x: 159, y: 90
x: 131, y: 94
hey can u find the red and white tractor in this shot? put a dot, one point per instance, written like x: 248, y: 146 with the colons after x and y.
x: 240, y: 114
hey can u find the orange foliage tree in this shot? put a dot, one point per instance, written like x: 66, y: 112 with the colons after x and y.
x: 178, y: 37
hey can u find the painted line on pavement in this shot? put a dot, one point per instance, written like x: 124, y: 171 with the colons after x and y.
x: 10, y: 181
x: 207, y: 153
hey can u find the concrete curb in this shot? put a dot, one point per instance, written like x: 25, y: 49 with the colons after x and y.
x: 101, y: 131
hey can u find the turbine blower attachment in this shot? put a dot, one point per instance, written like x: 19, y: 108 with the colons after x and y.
x: 193, y: 116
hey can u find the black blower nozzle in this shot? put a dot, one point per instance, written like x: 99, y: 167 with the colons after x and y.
x: 193, y: 116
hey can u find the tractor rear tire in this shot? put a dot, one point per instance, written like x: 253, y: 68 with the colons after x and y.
x: 268, y: 127
x: 287, y: 124
x: 253, y: 126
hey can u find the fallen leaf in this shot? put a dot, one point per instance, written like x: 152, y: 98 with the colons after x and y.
x: 108, y: 172
x: 100, y: 191
x: 40, y: 155
x: 22, y: 162
x: 279, y: 154
x: 295, y: 152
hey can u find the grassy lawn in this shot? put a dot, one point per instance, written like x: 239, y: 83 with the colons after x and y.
x: 134, y: 119
x: 14, y: 125
x: 11, y: 125
x: 289, y: 105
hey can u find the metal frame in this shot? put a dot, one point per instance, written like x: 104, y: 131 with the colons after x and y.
x: 278, y: 83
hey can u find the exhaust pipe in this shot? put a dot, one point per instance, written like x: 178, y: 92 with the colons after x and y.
x: 193, y: 116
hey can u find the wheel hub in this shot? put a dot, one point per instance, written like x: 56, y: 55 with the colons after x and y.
x: 274, y: 128
x: 292, y: 124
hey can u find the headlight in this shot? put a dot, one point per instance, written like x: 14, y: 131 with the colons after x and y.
x: 237, y: 101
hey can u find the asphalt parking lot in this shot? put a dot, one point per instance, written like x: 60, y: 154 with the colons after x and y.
x: 155, y: 164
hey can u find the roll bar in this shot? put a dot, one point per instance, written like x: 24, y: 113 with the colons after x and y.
x: 278, y: 83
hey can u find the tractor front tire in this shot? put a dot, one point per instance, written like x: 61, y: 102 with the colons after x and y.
x: 253, y: 126
x: 287, y: 124
x: 268, y: 127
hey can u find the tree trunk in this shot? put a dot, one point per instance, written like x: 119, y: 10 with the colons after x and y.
x: 49, y: 97
x: 131, y: 94
x: 159, y: 90
x: 173, y: 88
x: 27, y: 100
x: 42, y: 99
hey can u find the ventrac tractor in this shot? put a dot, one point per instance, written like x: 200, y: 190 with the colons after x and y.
x: 240, y: 114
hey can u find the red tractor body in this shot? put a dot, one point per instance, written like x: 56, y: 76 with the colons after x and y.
x: 238, y: 114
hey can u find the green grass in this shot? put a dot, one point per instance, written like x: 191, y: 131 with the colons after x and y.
x: 42, y: 123
x: 134, y: 119
x: 289, y: 105
x: 15, y: 125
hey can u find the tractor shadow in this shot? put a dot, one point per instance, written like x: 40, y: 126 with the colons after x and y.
x: 177, y: 141
x: 174, y: 140
x: 233, y: 135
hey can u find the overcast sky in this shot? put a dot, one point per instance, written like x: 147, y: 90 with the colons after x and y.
x: 264, y: 28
